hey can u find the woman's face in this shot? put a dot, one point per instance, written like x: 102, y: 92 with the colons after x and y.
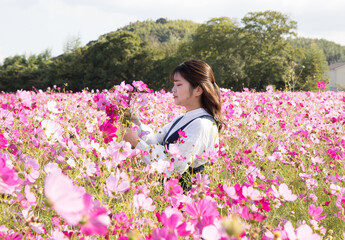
x: 183, y: 93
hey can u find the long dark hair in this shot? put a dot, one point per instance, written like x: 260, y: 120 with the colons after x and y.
x: 199, y: 73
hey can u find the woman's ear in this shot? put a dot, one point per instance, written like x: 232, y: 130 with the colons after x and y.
x: 198, y: 91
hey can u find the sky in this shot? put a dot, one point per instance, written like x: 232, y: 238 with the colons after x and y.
x: 33, y: 26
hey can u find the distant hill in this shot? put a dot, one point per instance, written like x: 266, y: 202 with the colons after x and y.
x: 162, y: 30
x: 333, y: 52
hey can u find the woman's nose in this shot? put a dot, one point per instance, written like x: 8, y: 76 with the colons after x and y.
x: 173, y: 89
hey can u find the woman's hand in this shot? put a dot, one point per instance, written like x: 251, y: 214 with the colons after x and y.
x: 131, y: 137
x: 132, y: 116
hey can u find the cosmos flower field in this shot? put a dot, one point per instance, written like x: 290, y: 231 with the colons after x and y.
x: 66, y: 173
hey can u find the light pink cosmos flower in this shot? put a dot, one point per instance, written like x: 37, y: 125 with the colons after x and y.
x: 30, y: 197
x: 215, y: 231
x: 302, y: 232
x: 230, y: 191
x: 337, y: 190
x: 118, y: 183
x: 89, y: 167
x: 315, y: 212
x: 24, y: 97
x: 6, y: 118
x: 56, y: 234
x: 65, y: 200
x: 118, y: 152
x: 284, y: 193
x: 53, y: 130
x: 31, y: 169
x: 251, y: 194
x: 311, y: 183
x: 258, y: 149
x: 316, y: 160
x: 141, y: 202
x: 52, y: 107
x: 38, y: 227
x: 160, y: 166
x: 74, y: 205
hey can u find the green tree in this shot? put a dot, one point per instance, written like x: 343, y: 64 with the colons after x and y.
x: 312, y: 68
x: 216, y: 42
x: 117, y: 57
x: 264, y: 48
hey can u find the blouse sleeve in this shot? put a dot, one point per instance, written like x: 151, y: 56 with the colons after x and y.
x: 149, y: 136
x: 201, y: 134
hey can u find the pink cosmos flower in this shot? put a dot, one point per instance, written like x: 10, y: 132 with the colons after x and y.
x: 172, y: 228
x: 101, y: 101
x: 202, y: 212
x: 142, y: 203
x: 122, y: 223
x: 172, y: 188
x: 96, y: 218
x: 141, y: 86
x: 284, y: 193
x: 8, y: 178
x: 315, y: 212
x: 210, y: 155
x: 202, y: 181
x: 316, y: 160
x: 321, y: 85
x: 258, y: 149
x: 118, y: 183
x: 255, y: 216
x: 109, y: 131
x: 3, y: 141
x: 142, y: 99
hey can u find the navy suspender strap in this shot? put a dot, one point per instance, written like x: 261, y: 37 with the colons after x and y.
x: 174, y: 137
x: 172, y: 126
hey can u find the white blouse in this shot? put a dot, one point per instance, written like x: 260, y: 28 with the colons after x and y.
x: 201, y: 134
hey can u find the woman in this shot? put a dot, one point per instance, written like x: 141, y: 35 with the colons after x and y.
x: 196, y: 90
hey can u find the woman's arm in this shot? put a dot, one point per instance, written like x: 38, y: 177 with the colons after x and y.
x: 201, y: 134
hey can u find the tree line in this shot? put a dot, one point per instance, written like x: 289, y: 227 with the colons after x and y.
x: 260, y: 50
